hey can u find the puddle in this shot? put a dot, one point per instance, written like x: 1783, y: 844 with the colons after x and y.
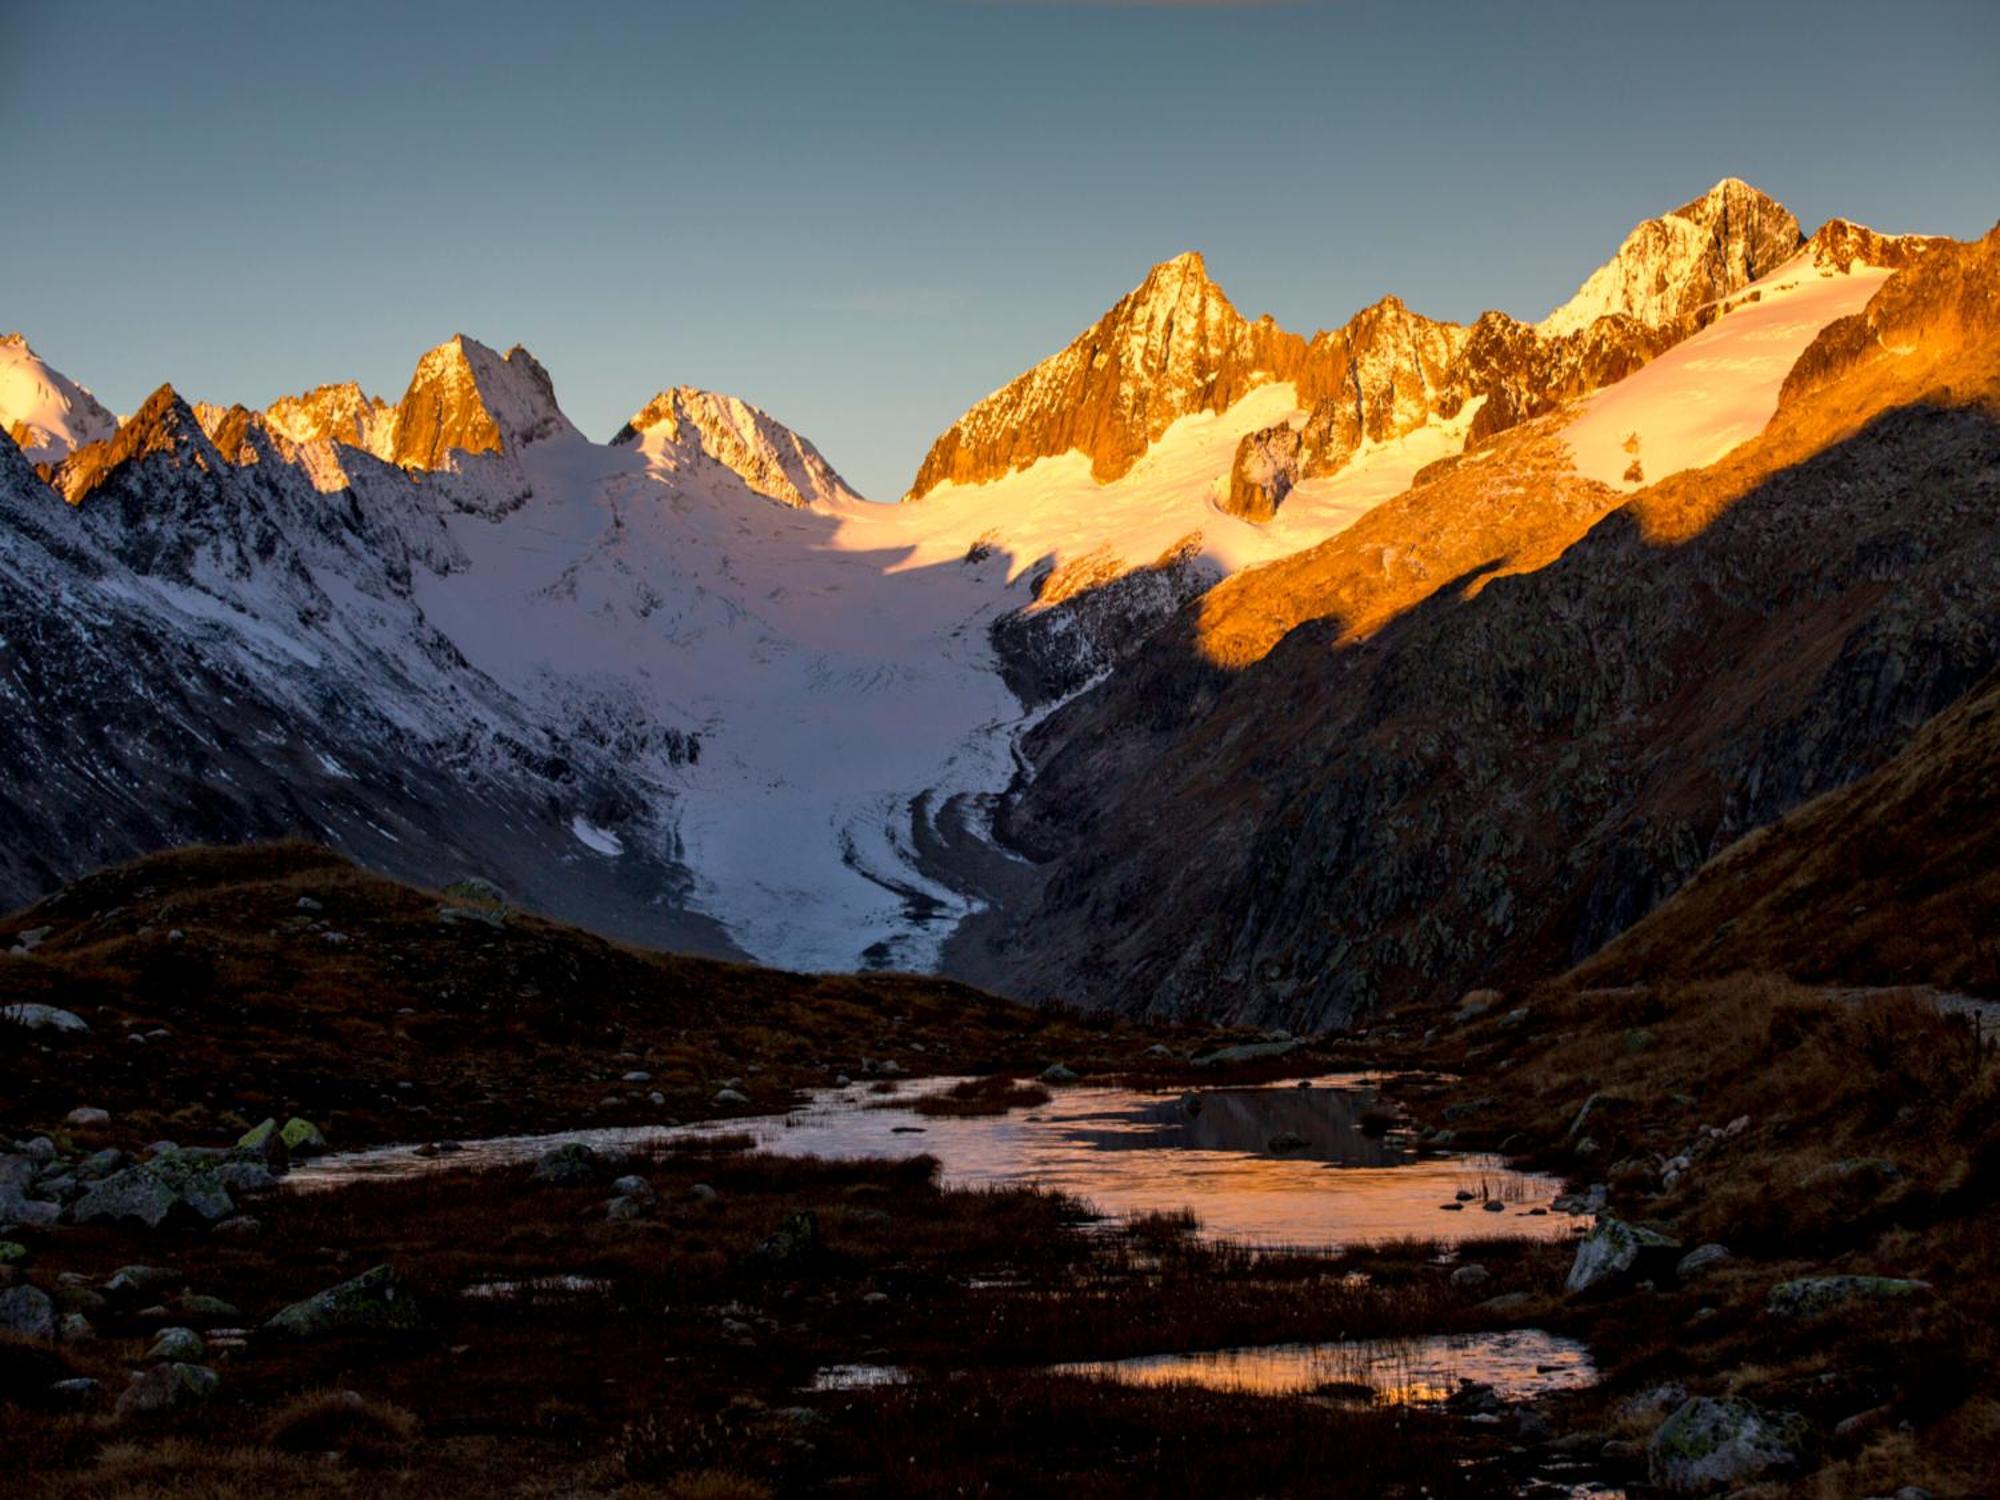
x: 1520, y: 1364
x: 1125, y: 1151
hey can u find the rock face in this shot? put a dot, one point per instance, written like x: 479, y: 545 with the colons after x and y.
x: 333, y: 413
x: 1812, y: 1296
x: 45, y: 412
x: 1707, y: 1445
x: 1670, y: 266
x: 465, y: 398
x: 688, y: 426
x: 1428, y: 784
x: 1171, y: 348
x: 1265, y: 469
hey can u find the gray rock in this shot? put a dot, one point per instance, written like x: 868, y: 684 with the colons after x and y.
x: 140, y: 1283
x: 265, y: 1142
x: 1811, y: 1296
x: 43, y: 1018
x: 635, y: 1188
x: 12, y: 1252
x: 241, y: 1227
x: 637, y: 1075
x: 1470, y: 1278
x: 83, y: 1117
x: 1614, y: 1252
x: 27, y: 1312
x: 78, y: 1394
x: 1286, y: 1140
x: 724, y: 1097
x: 75, y: 1328
x: 571, y: 1164
x: 1707, y: 1444
x: 41, y: 1149
x: 1059, y: 1073
x: 166, y: 1388
x: 148, y: 1193
x: 302, y: 1137
x: 701, y: 1192
x: 375, y: 1302
x: 100, y: 1164
x: 177, y: 1345
x: 625, y: 1210
x: 246, y: 1177
x: 1700, y: 1260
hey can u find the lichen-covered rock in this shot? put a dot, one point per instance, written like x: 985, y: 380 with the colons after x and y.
x: 375, y: 1302
x: 177, y: 1345
x: 302, y: 1137
x: 171, y: 1181
x: 1614, y: 1252
x: 1707, y: 1444
x: 1811, y: 1296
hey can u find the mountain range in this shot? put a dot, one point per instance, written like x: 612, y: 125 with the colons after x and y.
x: 1206, y: 666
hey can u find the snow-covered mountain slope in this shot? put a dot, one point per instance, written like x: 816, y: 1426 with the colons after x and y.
x: 684, y: 427
x: 1717, y: 389
x: 453, y: 635
x: 45, y: 412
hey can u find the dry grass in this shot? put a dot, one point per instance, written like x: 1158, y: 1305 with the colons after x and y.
x: 346, y: 1423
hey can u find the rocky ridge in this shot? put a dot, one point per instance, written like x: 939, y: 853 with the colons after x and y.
x: 686, y: 425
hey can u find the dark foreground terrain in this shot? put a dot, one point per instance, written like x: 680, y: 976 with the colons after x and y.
x: 566, y: 1330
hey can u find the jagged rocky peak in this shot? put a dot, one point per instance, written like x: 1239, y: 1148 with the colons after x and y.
x: 1172, y: 347
x: 1670, y: 266
x: 466, y: 398
x: 341, y: 413
x: 686, y: 424
x: 163, y: 425
x: 47, y: 414
x: 1843, y: 245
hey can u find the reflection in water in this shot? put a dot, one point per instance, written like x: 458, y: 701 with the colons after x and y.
x: 1270, y: 1165
x: 1520, y: 1364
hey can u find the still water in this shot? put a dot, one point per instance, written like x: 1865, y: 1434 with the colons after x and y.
x: 1230, y: 1160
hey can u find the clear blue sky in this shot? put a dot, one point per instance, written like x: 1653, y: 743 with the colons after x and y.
x: 864, y: 216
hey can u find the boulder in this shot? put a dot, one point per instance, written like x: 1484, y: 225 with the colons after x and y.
x: 246, y: 1177
x: 571, y: 1164
x: 166, y: 1388
x: 1700, y: 1260
x: 726, y: 1097
x: 625, y: 1210
x: 1059, y: 1073
x: 1248, y: 1052
x: 375, y: 1302
x: 148, y: 1193
x: 1615, y: 1252
x: 43, y: 1018
x: 83, y: 1117
x: 12, y: 1252
x: 636, y: 1188
x: 264, y: 1142
x: 1708, y: 1444
x: 177, y: 1345
x: 1811, y: 1296
x: 100, y: 1164
x: 1286, y: 1140
x: 133, y: 1284
x: 78, y: 1394
x: 302, y: 1137
x: 1470, y: 1278
x: 26, y: 1311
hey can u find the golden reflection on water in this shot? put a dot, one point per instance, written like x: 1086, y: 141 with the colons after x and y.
x: 1519, y: 1364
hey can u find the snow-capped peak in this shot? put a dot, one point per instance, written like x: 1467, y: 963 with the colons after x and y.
x: 683, y: 424
x: 1702, y: 251
x: 45, y: 412
x: 466, y: 398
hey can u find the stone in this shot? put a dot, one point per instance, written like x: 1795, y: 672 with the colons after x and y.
x: 625, y: 1210
x: 1059, y: 1073
x: 1247, y: 1052
x: 209, y: 1309
x: 1615, y: 1252
x: 1286, y: 1140
x: 302, y: 1137
x: 240, y: 1227
x: 701, y: 1192
x: 241, y: 1177
x: 178, y: 1345
x: 635, y: 1188
x: 1708, y: 1444
x: 1812, y: 1296
x: 726, y: 1097
x: 166, y: 1388
x: 78, y: 1393
x: 1470, y: 1278
x: 264, y: 1141
x: 637, y: 1075
x: 375, y: 1302
x: 43, y: 1017
x: 571, y: 1164
x: 26, y: 1311
x: 75, y: 1328
x: 83, y: 1117
x: 100, y: 1164
x: 12, y: 1252
x: 148, y: 1193
x: 1700, y: 1260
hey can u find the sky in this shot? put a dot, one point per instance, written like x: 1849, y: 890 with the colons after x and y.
x: 865, y: 216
